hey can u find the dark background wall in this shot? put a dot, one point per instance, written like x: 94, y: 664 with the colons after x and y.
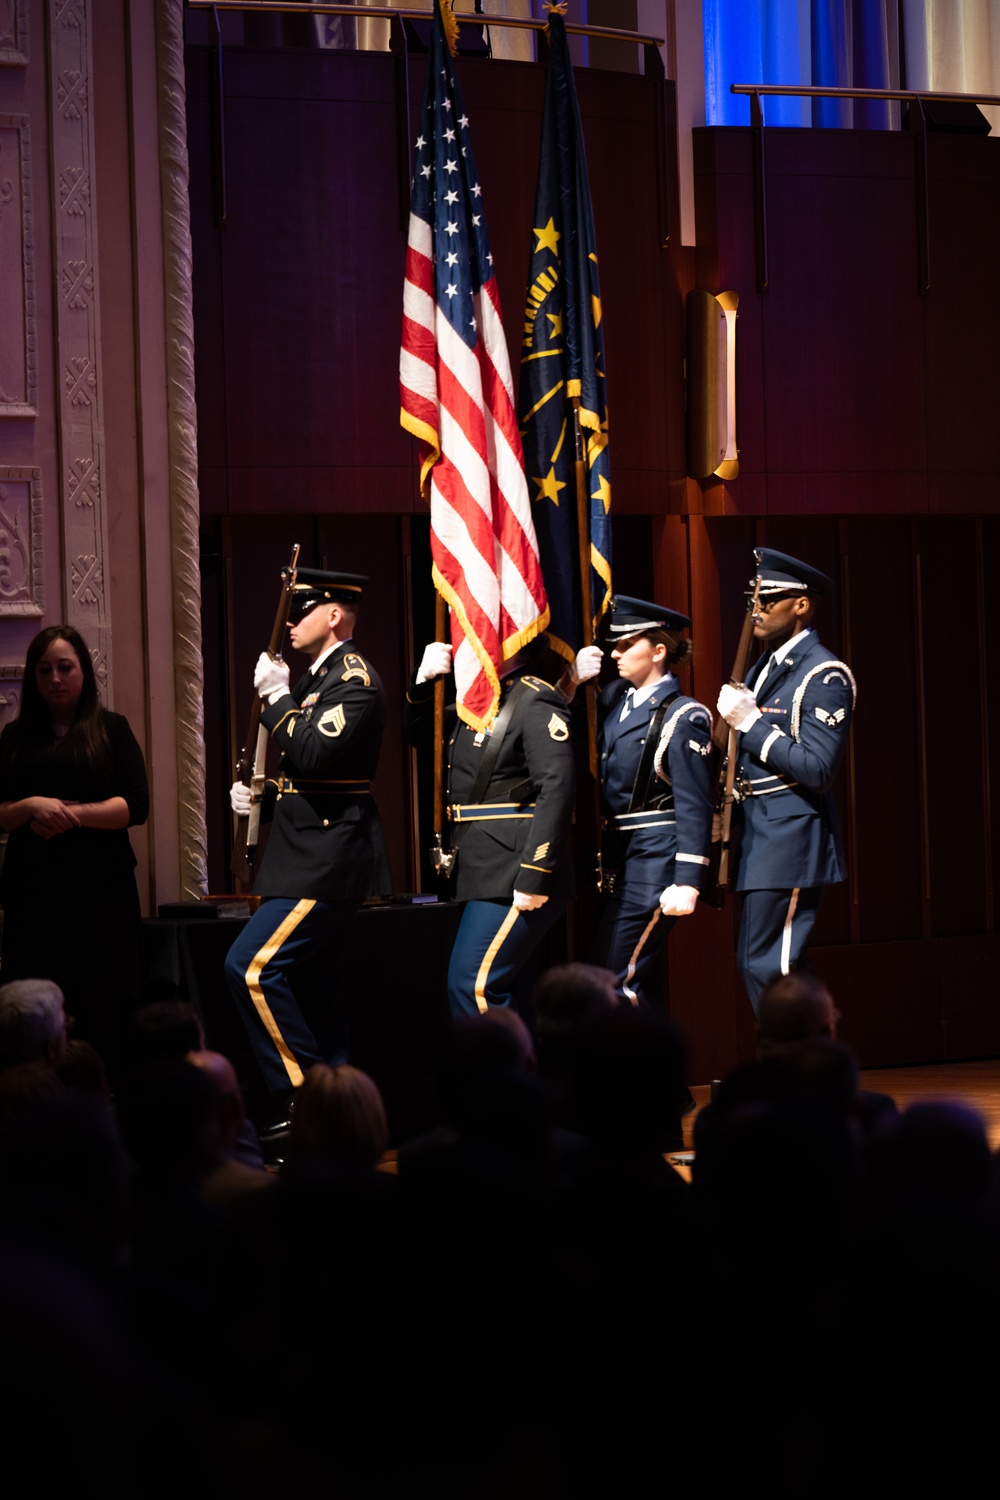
x: 865, y: 427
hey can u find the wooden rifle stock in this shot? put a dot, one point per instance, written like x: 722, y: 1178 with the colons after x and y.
x: 724, y: 739
x: 250, y: 761
x: 722, y: 731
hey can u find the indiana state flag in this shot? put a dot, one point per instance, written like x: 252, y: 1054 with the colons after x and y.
x: 562, y: 367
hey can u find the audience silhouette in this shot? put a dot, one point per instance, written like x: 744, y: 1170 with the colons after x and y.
x: 529, y: 1298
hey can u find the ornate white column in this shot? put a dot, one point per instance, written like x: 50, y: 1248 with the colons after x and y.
x: 76, y: 304
x: 182, y: 447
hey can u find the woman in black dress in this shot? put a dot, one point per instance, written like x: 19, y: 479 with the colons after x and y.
x: 72, y: 782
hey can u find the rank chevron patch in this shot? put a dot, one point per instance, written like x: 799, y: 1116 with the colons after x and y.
x: 332, y: 722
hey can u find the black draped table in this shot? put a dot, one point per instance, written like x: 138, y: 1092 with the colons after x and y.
x: 394, y: 970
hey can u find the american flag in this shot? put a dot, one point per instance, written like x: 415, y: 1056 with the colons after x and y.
x: 456, y: 395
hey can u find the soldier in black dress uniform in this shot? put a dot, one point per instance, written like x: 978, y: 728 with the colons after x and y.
x: 510, y: 795
x: 794, y: 720
x: 326, y: 852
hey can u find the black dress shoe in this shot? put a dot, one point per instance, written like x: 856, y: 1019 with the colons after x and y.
x: 278, y: 1118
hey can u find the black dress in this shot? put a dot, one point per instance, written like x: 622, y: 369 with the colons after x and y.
x: 71, y: 908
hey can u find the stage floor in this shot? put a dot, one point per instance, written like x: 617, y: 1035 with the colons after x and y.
x: 976, y: 1084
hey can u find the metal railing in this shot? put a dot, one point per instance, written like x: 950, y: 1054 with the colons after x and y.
x: 918, y: 97
x: 388, y: 13
x: 653, y: 67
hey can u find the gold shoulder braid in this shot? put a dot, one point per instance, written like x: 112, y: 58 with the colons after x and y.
x: 355, y: 667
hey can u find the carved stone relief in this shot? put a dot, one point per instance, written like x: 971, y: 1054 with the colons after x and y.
x: 13, y: 33
x: 11, y: 677
x: 84, y: 515
x: 21, y: 589
x: 17, y: 270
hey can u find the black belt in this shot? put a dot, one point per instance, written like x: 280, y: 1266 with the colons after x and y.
x: 479, y: 812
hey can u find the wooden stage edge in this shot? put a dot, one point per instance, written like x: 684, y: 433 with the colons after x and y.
x: 976, y: 1084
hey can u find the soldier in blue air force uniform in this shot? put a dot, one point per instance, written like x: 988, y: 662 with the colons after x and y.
x: 794, y: 718
x: 510, y: 824
x: 656, y: 789
x: 326, y: 851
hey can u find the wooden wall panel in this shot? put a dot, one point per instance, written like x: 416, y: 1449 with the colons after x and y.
x: 809, y: 491
x: 645, y: 397
x: 312, y: 266
x: 709, y: 632
x: 967, y: 977
x: 955, y: 807
x: 706, y: 994
x: 221, y: 708
x: 208, y: 301
x: 989, y: 539
x: 963, y: 323
x: 890, y: 996
x: 725, y: 262
x: 856, y: 394
x: 924, y: 1001
x: 886, y: 734
x: 842, y: 319
x: 671, y: 563
x: 299, y: 295
x: 634, y: 562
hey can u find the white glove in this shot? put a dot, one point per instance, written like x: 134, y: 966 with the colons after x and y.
x: 587, y: 664
x: 524, y: 902
x: 270, y: 677
x: 435, y: 662
x: 678, y: 900
x: 239, y: 799
x: 738, y: 707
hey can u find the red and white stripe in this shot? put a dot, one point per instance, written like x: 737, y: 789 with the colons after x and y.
x: 460, y: 402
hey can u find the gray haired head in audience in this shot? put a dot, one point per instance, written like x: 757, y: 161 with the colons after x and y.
x: 32, y: 1022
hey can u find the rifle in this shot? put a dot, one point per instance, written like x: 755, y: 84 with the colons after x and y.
x: 724, y: 739
x: 250, y: 767
x: 442, y: 857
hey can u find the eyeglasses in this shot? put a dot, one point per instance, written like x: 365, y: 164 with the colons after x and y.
x: 764, y: 606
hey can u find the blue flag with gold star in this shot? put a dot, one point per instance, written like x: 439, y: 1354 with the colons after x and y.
x: 562, y: 358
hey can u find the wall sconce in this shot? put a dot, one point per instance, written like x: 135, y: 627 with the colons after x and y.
x: 711, y: 385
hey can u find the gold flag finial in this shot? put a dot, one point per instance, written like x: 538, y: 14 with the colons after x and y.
x: 560, y: 7
x: 450, y: 27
